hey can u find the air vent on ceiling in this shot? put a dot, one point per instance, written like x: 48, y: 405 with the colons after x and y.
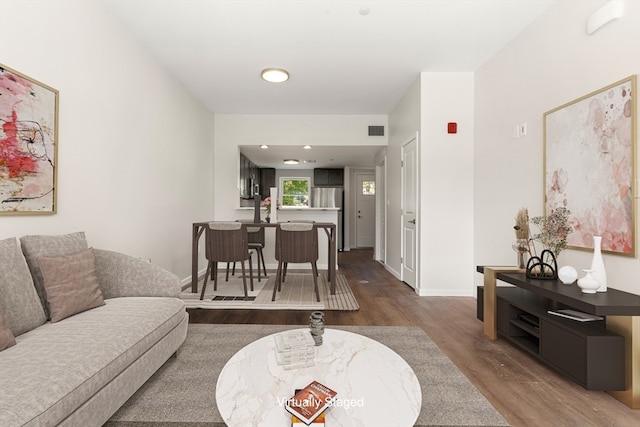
x: 376, y: 130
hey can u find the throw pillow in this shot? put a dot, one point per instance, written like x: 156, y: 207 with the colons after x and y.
x: 19, y: 300
x: 34, y: 247
x: 6, y: 337
x: 71, y: 284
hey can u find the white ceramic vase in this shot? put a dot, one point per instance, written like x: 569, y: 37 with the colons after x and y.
x: 597, y: 264
x: 588, y: 283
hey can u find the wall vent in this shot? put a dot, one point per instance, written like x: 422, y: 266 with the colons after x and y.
x: 376, y: 130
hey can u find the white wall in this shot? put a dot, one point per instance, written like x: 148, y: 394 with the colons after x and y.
x: 134, y: 156
x: 551, y: 63
x: 446, y: 185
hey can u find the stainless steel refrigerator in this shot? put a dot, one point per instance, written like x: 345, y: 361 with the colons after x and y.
x: 331, y: 197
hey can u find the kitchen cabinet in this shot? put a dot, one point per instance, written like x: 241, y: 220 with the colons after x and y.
x: 324, y: 177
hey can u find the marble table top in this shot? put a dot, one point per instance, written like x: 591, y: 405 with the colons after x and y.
x: 375, y: 386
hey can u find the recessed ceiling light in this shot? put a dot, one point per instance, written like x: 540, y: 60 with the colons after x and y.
x: 307, y: 147
x: 364, y: 11
x: 264, y: 146
x: 291, y: 162
x: 275, y: 75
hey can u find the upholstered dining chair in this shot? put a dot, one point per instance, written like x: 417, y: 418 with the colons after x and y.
x: 226, y: 242
x: 296, y: 243
x: 256, y: 243
x: 284, y: 266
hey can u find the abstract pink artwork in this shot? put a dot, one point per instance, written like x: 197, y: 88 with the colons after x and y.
x: 590, y: 166
x: 28, y: 145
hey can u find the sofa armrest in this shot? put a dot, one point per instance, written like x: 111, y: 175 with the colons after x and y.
x: 122, y: 275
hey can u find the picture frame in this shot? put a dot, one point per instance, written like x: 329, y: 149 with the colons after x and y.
x: 590, y: 166
x: 28, y: 145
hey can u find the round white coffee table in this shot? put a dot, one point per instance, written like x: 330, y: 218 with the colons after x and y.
x: 375, y: 386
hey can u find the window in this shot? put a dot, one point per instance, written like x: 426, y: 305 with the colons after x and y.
x: 368, y: 188
x: 295, y: 192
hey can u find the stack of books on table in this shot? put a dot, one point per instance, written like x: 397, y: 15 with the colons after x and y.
x: 308, y: 405
x: 295, y: 349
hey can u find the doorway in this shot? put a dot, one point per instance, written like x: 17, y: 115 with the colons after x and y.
x: 365, y: 189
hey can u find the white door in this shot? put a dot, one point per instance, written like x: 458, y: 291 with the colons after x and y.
x: 365, y: 210
x: 409, y: 212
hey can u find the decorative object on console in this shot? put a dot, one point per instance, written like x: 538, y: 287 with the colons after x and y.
x: 591, y: 143
x: 267, y: 202
x: 588, y: 283
x: 553, y: 231
x: 597, y: 264
x: 567, y: 274
x: 521, y: 244
x: 543, y: 266
x: 316, y: 326
x: 29, y: 134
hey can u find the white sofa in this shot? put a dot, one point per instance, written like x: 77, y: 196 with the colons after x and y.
x: 79, y: 370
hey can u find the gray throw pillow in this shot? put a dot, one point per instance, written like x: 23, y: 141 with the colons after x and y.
x: 34, y: 247
x: 19, y: 301
x: 6, y: 337
x: 71, y: 284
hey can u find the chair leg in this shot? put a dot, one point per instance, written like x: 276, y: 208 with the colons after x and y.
x: 264, y: 266
x: 277, y: 282
x: 244, y: 281
x: 284, y: 274
x: 315, y: 280
x: 251, y: 272
x: 214, y: 272
x: 204, y: 285
x: 258, y: 250
x: 208, y: 272
x: 226, y: 278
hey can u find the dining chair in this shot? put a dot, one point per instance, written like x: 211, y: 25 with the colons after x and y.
x: 226, y: 242
x: 296, y: 242
x: 284, y: 266
x: 257, y: 243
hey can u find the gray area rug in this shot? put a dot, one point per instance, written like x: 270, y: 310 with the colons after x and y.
x: 297, y: 293
x: 182, y: 392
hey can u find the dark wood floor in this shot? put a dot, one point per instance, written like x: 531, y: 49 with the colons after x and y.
x: 524, y: 391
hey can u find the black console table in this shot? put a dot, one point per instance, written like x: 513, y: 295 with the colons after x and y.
x: 504, y: 309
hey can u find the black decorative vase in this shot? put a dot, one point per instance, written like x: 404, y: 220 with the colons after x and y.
x: 256, y: 210
x: 543, y: 267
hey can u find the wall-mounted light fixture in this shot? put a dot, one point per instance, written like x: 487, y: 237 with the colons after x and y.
x: 608, y: 12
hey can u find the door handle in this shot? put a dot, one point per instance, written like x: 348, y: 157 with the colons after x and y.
x: 413, y: 221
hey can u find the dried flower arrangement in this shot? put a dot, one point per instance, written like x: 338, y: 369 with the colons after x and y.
x: 553, y: 231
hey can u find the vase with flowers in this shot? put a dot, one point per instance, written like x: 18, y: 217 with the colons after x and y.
x: 267, y: 207
x: 553, y: 230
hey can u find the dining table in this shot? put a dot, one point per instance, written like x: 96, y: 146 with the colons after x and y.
x: 328, y: 227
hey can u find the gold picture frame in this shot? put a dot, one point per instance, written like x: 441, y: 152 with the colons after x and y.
x: 590, y: 166
x: 28, y: 145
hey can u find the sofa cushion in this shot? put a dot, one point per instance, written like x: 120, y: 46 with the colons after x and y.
x: 57, y: 367
x: 71, y: 284
x: 34, y: 247
x: 6, y: 337
x: 19, y: 301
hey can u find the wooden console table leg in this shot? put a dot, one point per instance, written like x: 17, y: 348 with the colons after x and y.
x: 629, y: 327
x: 489, y: 302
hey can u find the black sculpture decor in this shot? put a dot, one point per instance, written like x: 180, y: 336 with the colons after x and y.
x: 542, y: 267
x: 256, y: 209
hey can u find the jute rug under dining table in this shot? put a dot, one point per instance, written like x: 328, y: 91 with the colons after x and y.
x: 182, y: 392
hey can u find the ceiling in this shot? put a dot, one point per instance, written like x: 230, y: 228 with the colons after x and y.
x: 316, y: 157
x: 344, y: 56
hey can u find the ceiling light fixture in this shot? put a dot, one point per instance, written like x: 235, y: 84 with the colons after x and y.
x: 275, y: 75
x: 291, y: 162
x: 264, y: 146
x: 307, y: 147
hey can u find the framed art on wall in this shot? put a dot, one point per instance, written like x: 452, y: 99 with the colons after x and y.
x: 28, y: 145
x: 590, y: 166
